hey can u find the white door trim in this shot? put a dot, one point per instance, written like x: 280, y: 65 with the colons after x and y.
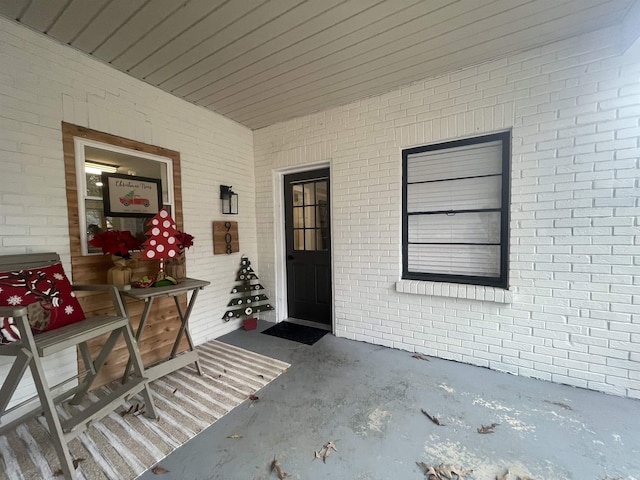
x: 280, y: 263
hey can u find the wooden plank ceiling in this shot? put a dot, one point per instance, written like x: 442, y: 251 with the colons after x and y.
x: 259, y: 62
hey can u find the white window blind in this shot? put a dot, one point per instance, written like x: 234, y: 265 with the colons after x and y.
x: 453, y: 210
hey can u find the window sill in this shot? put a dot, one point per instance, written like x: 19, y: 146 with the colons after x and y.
x: 455, y: 290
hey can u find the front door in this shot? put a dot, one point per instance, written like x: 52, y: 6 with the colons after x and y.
x: 308, y: 241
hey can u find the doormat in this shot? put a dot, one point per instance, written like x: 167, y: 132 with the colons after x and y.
x: 121, y: 446
x: 296, y: 333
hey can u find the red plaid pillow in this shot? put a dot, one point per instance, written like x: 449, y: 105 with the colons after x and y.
x: 47, y: 294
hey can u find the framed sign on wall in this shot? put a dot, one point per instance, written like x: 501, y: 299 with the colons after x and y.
x: 131, y: 196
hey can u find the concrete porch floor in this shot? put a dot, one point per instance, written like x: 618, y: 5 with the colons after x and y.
x: 368, y: 400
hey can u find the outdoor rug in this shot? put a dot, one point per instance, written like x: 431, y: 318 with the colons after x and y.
x: 123, y: 445
x: 295, y: 332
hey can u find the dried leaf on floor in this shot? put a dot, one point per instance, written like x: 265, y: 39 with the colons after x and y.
x: 460, y: 472
x: 443, y: 472
x: 122, y: 414
x: 76, y: 462
x: 159, y: 470
x: 275, y: 466
x: 134, y: 410
x: 452, y: 473
x: 253, y: 399
x: 332, y: 445
x: 484, y: 429
x: 433, y: 419
x: 235, y: 435
x: 327, y: 450
x: 429, y: 471
x: 561, y: 405
x: 174, y: 392
x: 503, y: 476
x: 420, y: 356
x: 324, y: 452
x: 260, y: 376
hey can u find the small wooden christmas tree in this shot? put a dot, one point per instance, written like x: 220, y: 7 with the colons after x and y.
x: 161, y: 244
x: 250, y: 300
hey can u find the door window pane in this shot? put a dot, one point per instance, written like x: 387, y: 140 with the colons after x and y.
x: 309, y: 194
x: 297, y: 195
x: 321, y: 192
x: 309, y: 217
x: 298, y: 239
x: 310, y: 239
x: 298, y: 219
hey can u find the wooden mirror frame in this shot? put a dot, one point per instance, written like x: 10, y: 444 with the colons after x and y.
x: 158, y: 339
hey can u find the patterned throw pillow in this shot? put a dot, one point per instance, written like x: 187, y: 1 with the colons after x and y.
x: 48, y: 296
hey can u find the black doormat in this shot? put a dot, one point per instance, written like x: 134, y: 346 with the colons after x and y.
x: 295, y: 332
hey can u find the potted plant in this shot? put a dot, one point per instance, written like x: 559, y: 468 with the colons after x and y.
x: 176, y: 266
x: 119, y: 244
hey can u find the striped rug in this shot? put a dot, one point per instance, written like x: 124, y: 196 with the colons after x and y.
x: 123, y: 446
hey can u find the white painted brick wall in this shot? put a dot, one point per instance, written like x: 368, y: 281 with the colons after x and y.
x: 574, y: 109
x: 43, y: 83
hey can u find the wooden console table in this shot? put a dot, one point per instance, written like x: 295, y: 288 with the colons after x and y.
x: 175, y: 360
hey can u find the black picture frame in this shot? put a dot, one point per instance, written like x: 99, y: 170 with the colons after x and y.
x: 130, y: 196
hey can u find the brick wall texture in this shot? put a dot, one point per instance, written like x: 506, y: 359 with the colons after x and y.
x: 574, y: 311
x: 43, y: 83
x: 573, y: 107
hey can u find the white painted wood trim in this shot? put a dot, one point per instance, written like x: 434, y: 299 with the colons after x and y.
x: 280, y: 256
x: 455, y: 290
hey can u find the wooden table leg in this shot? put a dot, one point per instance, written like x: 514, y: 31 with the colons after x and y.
x: 184, y: 316
x: 143, y: 321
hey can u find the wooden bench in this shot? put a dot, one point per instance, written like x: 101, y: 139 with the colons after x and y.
x: 30, y: 350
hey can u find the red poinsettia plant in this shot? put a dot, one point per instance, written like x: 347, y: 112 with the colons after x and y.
x: 116, y: 242
x: 184, y: 240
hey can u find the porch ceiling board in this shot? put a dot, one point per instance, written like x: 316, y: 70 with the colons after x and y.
x: 73, y: 19
x: 106, y: 23
x: 260, y: 62
x: 407, y: 66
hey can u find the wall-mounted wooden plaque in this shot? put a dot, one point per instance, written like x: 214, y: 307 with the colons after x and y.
x: 225, y: 238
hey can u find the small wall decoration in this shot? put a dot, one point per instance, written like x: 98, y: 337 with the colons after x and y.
x: 130, y: 196
x: 225, y: 238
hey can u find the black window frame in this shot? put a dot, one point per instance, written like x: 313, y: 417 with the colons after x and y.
x: 501, y: 281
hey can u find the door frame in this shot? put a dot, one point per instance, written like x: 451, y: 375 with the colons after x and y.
x: 280, y: 263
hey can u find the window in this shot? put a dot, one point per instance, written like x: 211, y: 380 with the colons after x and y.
x: 94, y: 158
x: 455, y: 211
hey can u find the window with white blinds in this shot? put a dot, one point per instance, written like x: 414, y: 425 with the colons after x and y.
x: 456, y: 211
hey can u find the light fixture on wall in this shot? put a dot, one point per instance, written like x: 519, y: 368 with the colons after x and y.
x: 228, y: 200
x: 96, y: 168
